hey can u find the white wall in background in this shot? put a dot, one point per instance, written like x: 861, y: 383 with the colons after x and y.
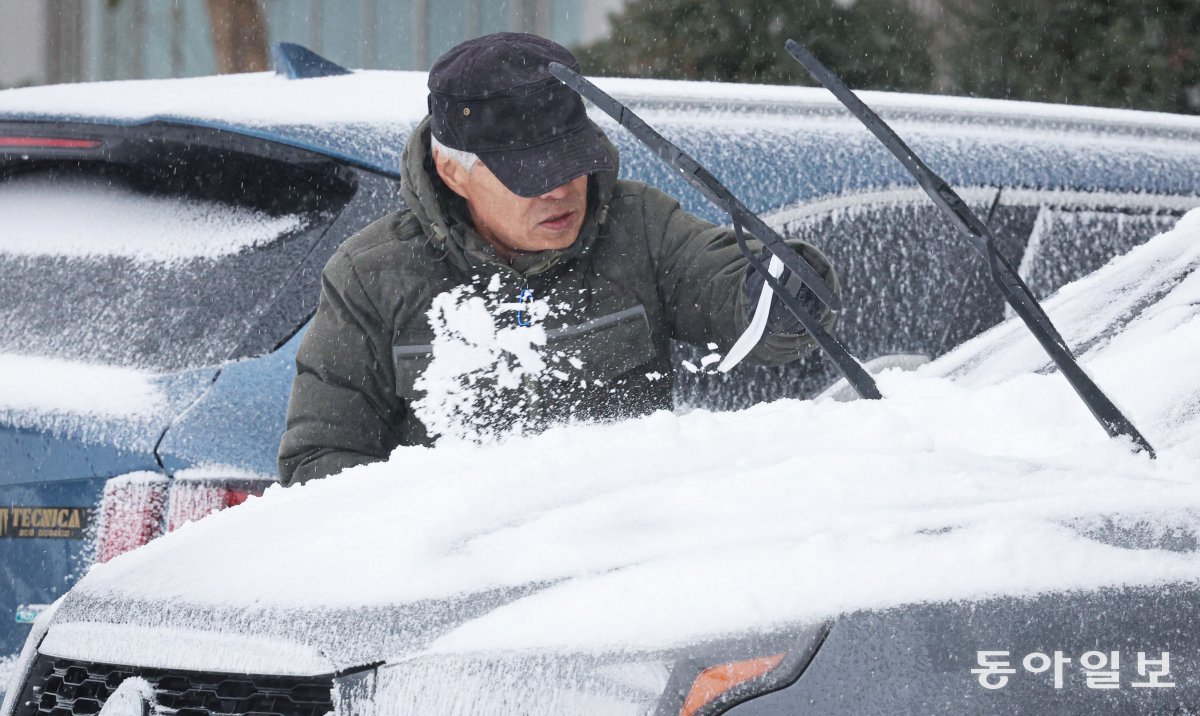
x: 22, y: 43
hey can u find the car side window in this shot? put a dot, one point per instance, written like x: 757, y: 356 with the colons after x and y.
x: 905, y: 275
x: 913, y: 286
x: 1067, y: 243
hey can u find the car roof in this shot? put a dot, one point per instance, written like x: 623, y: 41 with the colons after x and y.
x: 364, y: 116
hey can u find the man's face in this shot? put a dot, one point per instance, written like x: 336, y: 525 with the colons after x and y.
x: 514, y: 223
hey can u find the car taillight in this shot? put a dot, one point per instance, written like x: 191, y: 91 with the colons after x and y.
x: 47, y: 143
x: 131, y: 513
x: 194, y: 498
x: 719, y: 681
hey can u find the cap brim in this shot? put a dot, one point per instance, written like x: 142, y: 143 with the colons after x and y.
x: 537, y: 170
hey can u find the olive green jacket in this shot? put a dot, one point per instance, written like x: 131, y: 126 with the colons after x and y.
x: 642, y: 272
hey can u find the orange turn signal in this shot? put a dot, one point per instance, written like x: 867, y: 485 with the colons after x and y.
x: 716, y: 680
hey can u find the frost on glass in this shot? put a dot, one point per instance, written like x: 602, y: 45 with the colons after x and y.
x: 910, y: 286
x: 1066, y: 244
x: 99, y: 270
x: 131, y: 513
x: 913, y: 286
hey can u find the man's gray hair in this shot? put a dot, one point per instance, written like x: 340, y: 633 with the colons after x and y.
x: 466, y: 159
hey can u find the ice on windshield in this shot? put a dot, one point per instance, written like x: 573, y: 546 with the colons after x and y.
x: 668, y: 529
x: 89, y: 216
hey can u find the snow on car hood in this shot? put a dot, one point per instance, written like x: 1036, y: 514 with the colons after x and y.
x: 668, y: 529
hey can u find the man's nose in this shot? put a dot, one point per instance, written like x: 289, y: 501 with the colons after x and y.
x: 558, y: 192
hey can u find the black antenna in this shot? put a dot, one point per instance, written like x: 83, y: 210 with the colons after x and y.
x: 1006, y: 279
x: 743, y: 218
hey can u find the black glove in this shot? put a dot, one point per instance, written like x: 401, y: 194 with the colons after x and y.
x: 780, y: 319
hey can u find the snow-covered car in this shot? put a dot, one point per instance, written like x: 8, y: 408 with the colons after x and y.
x: 162, y: 243
x: 973, y: 543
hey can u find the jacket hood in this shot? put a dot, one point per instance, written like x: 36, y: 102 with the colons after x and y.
x: 444, y: 219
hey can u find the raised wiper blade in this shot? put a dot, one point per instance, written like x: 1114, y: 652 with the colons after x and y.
x: 1014, y: 290
x: 711, y: 188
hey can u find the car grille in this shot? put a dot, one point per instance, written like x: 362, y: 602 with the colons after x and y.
x: 64, y: 687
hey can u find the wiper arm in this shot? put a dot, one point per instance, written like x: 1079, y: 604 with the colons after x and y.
x: 1014, y: 290
x: 743, y: 218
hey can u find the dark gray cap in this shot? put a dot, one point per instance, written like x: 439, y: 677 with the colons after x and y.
x: 493, y: 96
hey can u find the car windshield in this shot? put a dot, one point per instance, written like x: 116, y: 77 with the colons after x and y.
x: 113, y: 266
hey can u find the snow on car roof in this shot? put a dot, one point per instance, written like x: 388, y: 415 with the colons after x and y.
x: 366, y: 116
x: 254, y: 99
x: 398, y: 97
x: 667, y: 529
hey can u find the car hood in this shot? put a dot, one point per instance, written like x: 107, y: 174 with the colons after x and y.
x: 670, y: 530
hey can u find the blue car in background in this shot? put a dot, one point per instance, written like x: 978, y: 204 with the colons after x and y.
x: 161, y: 244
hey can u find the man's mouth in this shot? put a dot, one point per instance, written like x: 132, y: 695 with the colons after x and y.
x: 558, y: 222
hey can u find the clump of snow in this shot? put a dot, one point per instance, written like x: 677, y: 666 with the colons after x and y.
x: 478, y: 365
x: 81, y: 216
x: 51, y: 385
x: 784, y: 513
x: 134, y: 697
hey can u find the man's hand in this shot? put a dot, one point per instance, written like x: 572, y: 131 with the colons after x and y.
x: 780, y: 319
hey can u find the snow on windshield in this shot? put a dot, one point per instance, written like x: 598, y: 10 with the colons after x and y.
x: 82, y: 216
x: 669, y: 528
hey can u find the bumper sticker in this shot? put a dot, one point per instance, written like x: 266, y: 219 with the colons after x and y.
x: 43, y: 522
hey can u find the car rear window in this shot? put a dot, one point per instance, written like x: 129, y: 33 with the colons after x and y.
x: 162, y: 266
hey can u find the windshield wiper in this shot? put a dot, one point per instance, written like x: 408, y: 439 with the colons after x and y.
x: 1014, y: 290
x: 744, y: 221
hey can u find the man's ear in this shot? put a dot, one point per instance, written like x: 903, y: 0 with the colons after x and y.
x: 451, y: 172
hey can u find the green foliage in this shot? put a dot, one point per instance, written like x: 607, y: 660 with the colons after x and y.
x: 1142, y: 54
x: 1118, y: 53
x: 873, y: 43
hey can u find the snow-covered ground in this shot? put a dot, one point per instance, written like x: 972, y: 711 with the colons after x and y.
x: 976, y: 476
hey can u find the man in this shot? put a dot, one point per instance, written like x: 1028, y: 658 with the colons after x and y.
x: 512, y: 190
